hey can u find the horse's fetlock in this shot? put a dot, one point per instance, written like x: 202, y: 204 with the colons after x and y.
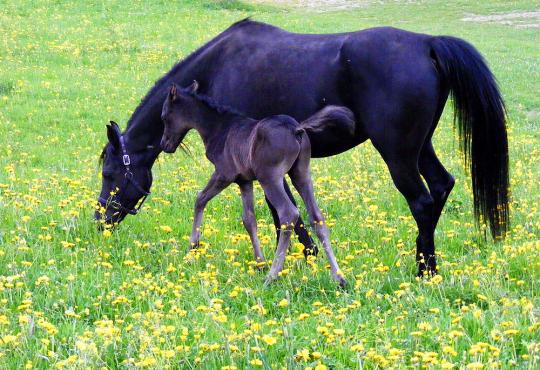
x: 249, y: 220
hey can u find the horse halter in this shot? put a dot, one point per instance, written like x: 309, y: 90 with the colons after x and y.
x: 128, y: 179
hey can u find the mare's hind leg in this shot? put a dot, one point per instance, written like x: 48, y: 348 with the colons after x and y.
x: 401, y: 157
x: 406, y: 177
x: 440, y: 181
x: 288, y: 215
x: 301, y: 178
x: 249, y: 219
x: 213, y: 188
x: 310, y: 249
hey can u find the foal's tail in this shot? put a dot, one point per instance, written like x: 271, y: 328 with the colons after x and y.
x: 330, y: 117
x: 480, y: 115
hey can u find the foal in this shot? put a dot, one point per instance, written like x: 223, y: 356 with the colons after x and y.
x: 243, y: 150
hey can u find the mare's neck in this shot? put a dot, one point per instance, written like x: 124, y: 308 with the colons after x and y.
x: 145, y: 129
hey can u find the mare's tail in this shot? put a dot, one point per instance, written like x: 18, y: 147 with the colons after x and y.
x: 480, y: 115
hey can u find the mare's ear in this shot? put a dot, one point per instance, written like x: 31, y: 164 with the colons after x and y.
x: 113, y: 133
x: 193, y: 87
x: 173, y: 93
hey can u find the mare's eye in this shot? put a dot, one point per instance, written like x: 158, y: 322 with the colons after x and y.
x: 107, y: 174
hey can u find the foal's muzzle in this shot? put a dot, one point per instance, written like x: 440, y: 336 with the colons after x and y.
x: 168, y: 145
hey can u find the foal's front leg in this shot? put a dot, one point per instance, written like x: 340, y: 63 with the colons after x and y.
x: 213, y: 188
x: 249, y: 219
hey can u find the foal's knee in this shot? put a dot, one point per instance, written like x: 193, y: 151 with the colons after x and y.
x: 200, y: 202
x: 288, y: 217
x: 317, y: 217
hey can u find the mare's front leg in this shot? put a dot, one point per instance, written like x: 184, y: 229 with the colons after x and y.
x: 288, y: 215
x: 216, y: 184
x: 249, y: 219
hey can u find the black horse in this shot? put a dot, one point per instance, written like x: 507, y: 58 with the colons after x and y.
x: 396, y: 83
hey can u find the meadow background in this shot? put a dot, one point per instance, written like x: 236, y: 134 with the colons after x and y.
x: 71, y: 297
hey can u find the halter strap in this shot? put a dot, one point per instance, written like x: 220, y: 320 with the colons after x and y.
x: 125, y: 156
x: 128, y: 176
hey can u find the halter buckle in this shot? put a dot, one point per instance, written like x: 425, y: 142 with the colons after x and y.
x: 126, y: 160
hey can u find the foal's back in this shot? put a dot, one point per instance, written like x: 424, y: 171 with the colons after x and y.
x: 276, y: 146
x: 262, y: 148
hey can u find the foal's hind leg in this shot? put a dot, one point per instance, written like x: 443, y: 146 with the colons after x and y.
x: 310, y: 249
x: 288, y: 215
x: 440, y: 181
x: 213, y: 188
x: 249, y: 219
x: 301, y: 178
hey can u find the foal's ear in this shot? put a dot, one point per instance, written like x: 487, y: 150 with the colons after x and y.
x: 113, y: 134
x: 173, y: 93
x: 193, y: 87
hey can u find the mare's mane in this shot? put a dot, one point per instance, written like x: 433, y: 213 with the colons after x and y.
x: 166, y: 80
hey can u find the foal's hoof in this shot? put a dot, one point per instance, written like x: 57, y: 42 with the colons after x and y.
x: 269, y: 280
x: 193, y: 245
x: 342, y: 282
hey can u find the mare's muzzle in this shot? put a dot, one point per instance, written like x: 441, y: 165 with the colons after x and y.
x: 112, y: 202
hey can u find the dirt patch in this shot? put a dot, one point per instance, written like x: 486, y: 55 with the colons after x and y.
x: 318, y: 5
x: 330, y: 5
x: 515, y: 19
x: 533, y: 115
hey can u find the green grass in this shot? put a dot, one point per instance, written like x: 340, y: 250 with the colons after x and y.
x: 70, y: 297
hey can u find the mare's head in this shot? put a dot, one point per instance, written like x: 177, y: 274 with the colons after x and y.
x: 176, y: 116
x: 126, y: 177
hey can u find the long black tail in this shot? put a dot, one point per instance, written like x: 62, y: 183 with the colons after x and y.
x: 480, y: 115
x: 330, y: 117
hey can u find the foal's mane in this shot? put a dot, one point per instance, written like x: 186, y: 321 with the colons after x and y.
x: 212, y: 103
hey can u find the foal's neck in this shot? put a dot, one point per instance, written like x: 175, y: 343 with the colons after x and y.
x: 209, y: 122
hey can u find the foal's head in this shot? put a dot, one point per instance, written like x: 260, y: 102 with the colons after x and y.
x: 177, y: 116
x: 126, y: 177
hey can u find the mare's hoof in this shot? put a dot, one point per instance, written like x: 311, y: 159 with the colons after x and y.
x: 427, y: 273
x: 312, y: 250
x: 262, y: 266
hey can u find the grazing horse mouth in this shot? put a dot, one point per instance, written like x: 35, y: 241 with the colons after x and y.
x: 104, y: 219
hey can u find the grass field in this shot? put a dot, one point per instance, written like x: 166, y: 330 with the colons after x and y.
x: 71, y: 297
